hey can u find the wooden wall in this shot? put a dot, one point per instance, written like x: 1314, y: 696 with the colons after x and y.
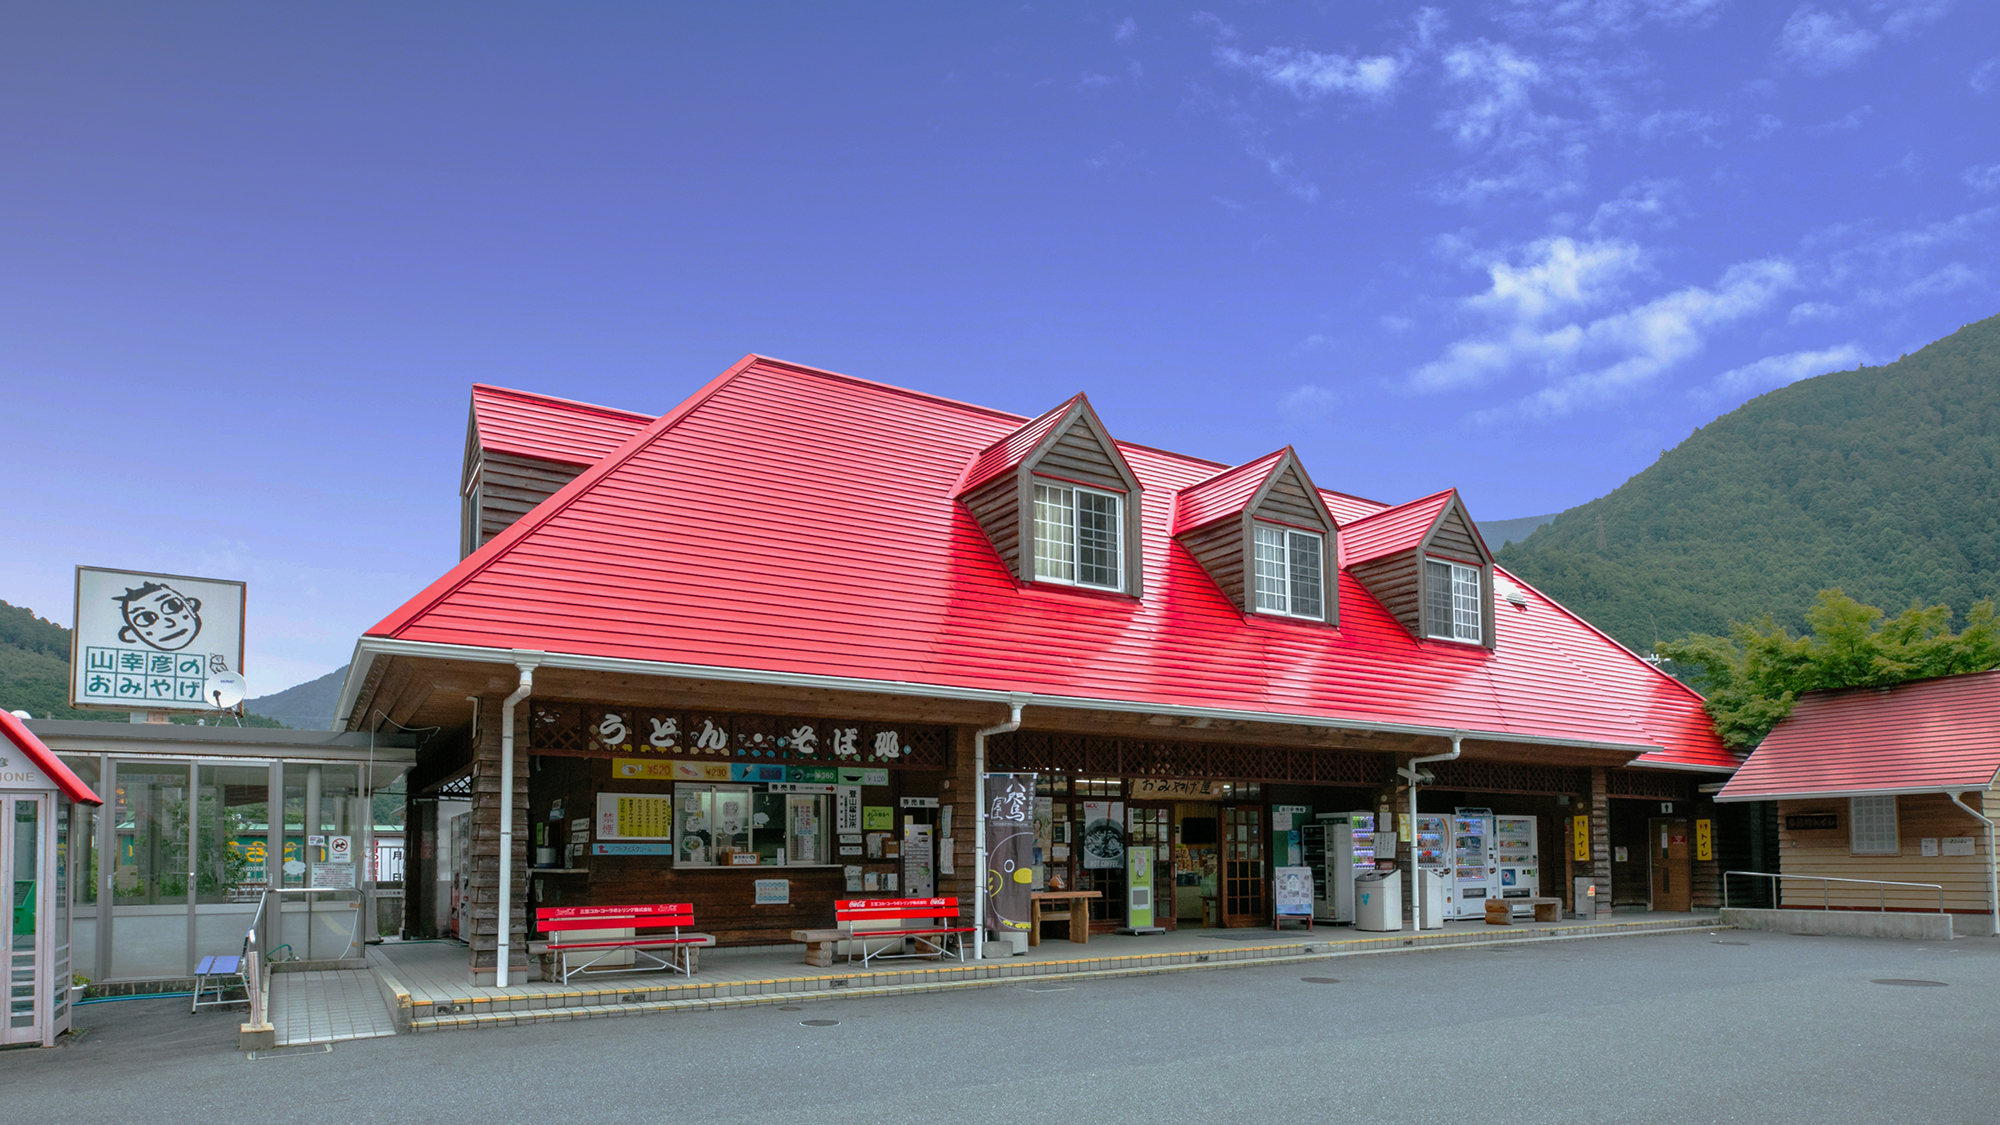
x: 1287, y: 501
x: 1828, y: 852
x: 503, y: 488
x: 1219, y: 549
x: 996, y: 506
x: 1077, y: 455
x: 1395, y: 580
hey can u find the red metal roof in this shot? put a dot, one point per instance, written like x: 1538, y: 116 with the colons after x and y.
x: 1390, y: 530
x: 1925, y: 736
x: 551, y: 429
x: 1224, y: 494
x: 45, y: 760
x: 803, y: 522
x: 1007, y: 454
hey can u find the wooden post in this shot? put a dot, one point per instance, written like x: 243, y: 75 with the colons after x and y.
x: 1600, y: 838
x: 483, y: 893
x: 955, y: 792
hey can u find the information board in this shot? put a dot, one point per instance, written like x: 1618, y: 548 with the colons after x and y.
x: 635, y: 816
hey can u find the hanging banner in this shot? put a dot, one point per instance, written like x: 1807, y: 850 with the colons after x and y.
x: 1103, y: 840
x: 1010, y: 850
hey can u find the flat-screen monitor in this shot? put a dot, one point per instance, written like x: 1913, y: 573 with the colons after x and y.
x: 1196, y: 830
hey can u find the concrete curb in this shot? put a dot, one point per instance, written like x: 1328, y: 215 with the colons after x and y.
x: 1843, y: 923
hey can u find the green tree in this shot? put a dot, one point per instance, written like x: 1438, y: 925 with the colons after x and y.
x: 1753, y: 676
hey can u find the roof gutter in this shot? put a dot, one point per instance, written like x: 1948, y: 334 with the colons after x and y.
x: 1417, y: 777
x: 367, y: 649
x: 1012, y: 724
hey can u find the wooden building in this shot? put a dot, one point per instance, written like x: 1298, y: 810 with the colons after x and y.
x: 1890, y: 784
x: 781, y: 613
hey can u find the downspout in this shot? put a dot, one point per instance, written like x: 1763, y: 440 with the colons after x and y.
x: 505, y: 914
x: 1992, y: 861
x: 1012, y: 724
x: 1410, y: 771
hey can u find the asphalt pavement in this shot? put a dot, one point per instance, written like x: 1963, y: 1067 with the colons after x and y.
x: 1721, y: 1027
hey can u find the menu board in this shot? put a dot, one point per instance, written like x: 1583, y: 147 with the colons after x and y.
x: 635, y: 816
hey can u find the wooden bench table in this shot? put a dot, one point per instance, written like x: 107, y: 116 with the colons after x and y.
x: 1075, y: 909
x: 1500, y: 911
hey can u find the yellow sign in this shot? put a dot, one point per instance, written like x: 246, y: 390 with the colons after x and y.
x: 638, y: 767
x: 643, y: 768
x: 645, y: 817
x: 1704, y: 844
x: 1579, y: 830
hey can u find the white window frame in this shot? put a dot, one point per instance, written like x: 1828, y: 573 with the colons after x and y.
x: 1280, y: 603
x: 1872, y: 828
x: 686, y: 794
x: 1468, y: 612
x: 1048, y: 566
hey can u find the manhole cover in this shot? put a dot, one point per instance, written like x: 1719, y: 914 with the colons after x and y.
x: 1729, y: 943
x: 790, y: 1008
x: 819, y: 1023
x: 1912, y: 983
x: 1046, y: 988
x: 1321, y: 980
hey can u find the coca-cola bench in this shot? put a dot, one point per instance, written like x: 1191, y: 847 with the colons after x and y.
x: 932, y: 924
x: 672, y: 950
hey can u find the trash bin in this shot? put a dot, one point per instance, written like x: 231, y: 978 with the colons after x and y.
x: 1430, y: 896
x: 1378, y: 901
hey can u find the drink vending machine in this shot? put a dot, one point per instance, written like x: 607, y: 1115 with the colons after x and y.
x: 1514, y: 855
x: 1476, y: 878
x: 1338, y: 847
x: 1432, y: 850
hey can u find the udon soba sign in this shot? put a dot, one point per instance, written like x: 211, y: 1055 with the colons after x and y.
x: 150, y: 642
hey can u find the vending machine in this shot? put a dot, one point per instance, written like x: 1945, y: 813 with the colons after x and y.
x: 1337, y: 847
x: 1476, y: 878
x: 1432, y: 850
x: 1514, y: 855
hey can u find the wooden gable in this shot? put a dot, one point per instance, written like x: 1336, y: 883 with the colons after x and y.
x: 1076, y: 449
x: 497, y: 488
x: 1401, y: 582
x: 1286, y: 497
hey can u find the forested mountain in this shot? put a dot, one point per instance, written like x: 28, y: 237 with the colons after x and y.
x: 1878, y: 481
x: 34, y: 671
x: 308, y: 706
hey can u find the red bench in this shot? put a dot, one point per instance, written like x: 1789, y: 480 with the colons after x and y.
x: 673, y: 950
x: 857, y: 919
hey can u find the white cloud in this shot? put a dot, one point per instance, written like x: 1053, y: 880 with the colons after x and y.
x: 1820, y: 42
x: 1309, y: 401
x: 1982, y: 179
x: 1586, y: 20
x: 1665, y: 124
x: 1983, y: 77
x: 1767, y: 124
x: 1776, y: 371
x: 1610, y: 356
x: 1390, y: 322
x: 1560, y: 274
x: 1910, y: 15
x: 1310, y: 74
x: 1644, y: 203
x: 1499, y: 106
x: 1281, y: 170
x: 1215, y: 24
x: 1126, y: 29
x: 1852, y: 119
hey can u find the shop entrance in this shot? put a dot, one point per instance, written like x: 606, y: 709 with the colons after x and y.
x: 1673, y: 869
x: 1244, y: 892
x: 21, y: 860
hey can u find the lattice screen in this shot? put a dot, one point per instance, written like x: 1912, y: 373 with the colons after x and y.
x: 1135, y: 757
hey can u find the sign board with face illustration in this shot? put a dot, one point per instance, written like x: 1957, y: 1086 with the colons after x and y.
x: 152, y: 642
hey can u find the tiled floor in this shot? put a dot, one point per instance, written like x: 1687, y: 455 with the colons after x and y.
x: 328, y: 1006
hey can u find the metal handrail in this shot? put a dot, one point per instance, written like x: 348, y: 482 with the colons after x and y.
x: 256, y: 947
x: 1826, y: 897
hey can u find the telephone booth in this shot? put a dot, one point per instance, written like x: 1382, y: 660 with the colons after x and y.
x: 38, y: 799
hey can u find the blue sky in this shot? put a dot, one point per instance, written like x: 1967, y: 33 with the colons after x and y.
x: 256, y: 254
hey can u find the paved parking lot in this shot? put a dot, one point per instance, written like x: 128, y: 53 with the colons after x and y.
x: 1719, y: 1027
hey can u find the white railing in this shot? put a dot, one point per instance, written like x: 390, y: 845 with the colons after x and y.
x: 1826, y: 893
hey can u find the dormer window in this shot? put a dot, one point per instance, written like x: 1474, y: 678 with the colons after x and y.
x: 1077, y: 537
x: 1455, y: 609
x: 1290, y: 572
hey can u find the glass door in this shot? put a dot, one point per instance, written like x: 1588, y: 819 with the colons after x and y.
x: 20, y: 859
x: 1244, y: 901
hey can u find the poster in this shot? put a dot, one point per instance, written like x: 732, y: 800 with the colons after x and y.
x: 635, y: 816
x: 1292, y: 890
x: 1010, y: 850
x: 1103, y: 839
x: 1139, y: 889
x: 878, y: 817
x: 771, y: 892
x: 150, y: 642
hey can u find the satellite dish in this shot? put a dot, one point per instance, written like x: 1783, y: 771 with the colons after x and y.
x: 224, y: 689
x: 23, y: 714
